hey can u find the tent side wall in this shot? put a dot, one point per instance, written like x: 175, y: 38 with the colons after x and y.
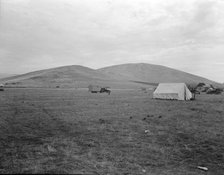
x: 172, y: 91
x: 170, y: 96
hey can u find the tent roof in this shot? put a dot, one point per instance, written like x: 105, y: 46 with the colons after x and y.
x: 170, y: 87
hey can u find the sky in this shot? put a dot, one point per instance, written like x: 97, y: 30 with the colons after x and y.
x: 185, y: 35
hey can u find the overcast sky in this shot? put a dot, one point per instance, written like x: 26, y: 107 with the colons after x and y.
x: 183, y: 34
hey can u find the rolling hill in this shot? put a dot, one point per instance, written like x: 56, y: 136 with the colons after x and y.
x: 56, y: 76
x: 119, y: 76
x: 142, y: 72
x: 66, y: 76
x: 4, y: 75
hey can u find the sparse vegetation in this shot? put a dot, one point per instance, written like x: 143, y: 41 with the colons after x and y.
x: 72, y: 131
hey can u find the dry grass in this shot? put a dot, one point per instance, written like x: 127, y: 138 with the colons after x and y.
x: 127, y: 132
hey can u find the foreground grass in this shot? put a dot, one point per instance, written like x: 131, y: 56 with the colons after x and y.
x: 71, y: 131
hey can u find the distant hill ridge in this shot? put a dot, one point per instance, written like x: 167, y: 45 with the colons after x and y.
x: 125, y: 75
x: 152, y: 73
x: 3, y: 75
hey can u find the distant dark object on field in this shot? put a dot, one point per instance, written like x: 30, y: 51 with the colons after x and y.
x: 98, y: 89
x: 193, y: 89
x: 101, y: 121
x: 202, y: 87
x: 57, y: 86
x: 208, y: 88
x: 214, y: 91
x: 102, y: 90
x: 1, y: 87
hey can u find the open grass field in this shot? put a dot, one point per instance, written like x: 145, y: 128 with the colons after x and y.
x: 127, y: 132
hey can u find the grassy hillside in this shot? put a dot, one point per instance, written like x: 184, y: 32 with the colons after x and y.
x: 151, y: 73
x: 71, y: 72
x: 67, y: 76
x: 120, y: 76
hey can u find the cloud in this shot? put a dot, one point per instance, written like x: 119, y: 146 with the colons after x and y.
x: 97, y: 33
x: 202, y: 21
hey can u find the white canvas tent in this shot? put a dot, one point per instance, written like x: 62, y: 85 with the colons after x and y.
x: 172, y: 91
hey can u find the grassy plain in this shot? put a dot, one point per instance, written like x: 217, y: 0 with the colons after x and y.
x: 127, y: 132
